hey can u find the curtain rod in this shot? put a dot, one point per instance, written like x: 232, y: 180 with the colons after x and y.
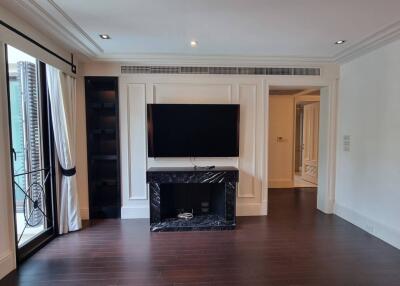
x: 70, y: 63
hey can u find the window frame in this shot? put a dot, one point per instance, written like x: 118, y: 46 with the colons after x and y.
x: 47, y: 137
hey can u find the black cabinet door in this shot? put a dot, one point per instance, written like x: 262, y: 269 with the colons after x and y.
x: 103, y: 147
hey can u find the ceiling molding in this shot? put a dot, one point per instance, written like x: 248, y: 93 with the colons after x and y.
x: 214, y: 60
x: 74, y: 24
x: 370, y: 43
x: 58, y: 22
x: 72, y: 35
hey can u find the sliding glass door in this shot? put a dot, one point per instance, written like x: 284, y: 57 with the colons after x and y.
x: 32, y: 158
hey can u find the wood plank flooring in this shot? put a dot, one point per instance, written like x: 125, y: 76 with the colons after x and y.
x: 294, y: 245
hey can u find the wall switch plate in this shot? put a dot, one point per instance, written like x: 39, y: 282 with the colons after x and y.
x: 346, y: 143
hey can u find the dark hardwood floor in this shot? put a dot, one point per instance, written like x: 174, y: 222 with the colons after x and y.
x: 294, y: 245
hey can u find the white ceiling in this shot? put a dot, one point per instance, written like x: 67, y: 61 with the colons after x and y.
x: 248, y: 28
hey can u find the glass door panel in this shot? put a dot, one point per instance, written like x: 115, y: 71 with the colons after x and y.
x: 31, y: 162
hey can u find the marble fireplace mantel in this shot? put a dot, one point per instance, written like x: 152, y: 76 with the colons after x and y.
x: 226, y: 179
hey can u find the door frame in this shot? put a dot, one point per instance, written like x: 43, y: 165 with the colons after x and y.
x: 302, y: 159
x: 297, y: 100
x: 327, y: 135
x: 24, y: 252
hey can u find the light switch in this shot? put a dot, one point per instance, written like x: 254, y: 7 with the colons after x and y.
x: 346, y: 143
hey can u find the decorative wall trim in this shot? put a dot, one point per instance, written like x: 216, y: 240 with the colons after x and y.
x: 74, y: 24
x: 245, y: 205
x: 288, y: 71
x: 374, y: 41
x: 381, y: 231
x: 137, y: 190
x: 253, y: 129
x: 170, y: 59
x: 58, y: 22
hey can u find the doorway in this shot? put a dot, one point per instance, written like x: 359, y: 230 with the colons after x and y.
x: 32, y: 154
x: 306, y: 140
x: 293, y: 138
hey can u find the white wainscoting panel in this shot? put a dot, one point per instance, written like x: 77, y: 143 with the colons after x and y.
x: 193, y: 93
x: 137, y: 141
x: 247, y: 159
x: 139, y: 90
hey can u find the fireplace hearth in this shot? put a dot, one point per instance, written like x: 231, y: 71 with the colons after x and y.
x: 210, y: 195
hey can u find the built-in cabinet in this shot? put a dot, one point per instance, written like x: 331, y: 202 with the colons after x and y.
x: 103, y: 147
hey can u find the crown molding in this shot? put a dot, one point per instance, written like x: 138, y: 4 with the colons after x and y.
x: 72, y: 35
x: 75, y: 25
x: 370, y: 43
x: 58, y: 22
x: 214, y: 60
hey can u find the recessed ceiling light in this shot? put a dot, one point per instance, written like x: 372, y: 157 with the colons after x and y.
x: 340, y: 42
x: 193, y: 44
x: 105, y: 36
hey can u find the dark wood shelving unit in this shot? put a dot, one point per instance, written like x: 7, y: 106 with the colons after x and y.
x: 103, y: 147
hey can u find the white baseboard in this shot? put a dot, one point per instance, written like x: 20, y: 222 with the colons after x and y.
x: 326, y: 207
x: 135, y: 212
x: 84, y: 213
x: 7, y: 264
x: 384, y: 232
x: 250, y: 210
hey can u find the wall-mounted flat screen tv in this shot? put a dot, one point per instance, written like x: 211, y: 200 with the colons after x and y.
x: 193, y: 130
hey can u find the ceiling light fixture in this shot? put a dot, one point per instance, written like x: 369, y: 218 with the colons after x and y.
x: 340, y: 42
x: 105, y: 36
x: 193, y: 44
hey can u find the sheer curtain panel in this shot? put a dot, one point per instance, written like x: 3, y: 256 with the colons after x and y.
x: 62, y: 92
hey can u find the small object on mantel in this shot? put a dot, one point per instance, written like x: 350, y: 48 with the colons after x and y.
x: 186, y: 215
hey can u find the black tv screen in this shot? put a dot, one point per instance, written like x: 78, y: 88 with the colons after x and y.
x: 193, y: 130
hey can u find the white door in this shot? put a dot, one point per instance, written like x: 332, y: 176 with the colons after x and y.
x: 309, y: 168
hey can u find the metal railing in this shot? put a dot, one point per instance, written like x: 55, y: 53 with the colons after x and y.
x: 34, y: 203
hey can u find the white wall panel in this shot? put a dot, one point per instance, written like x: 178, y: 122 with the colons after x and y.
x: 251, y: 92
x: 246, y: 91
x: 248, y: 125
x: 193, y: 93
x: 137, y: 149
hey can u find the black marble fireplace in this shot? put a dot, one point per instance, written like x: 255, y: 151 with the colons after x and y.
x: 209, y: 194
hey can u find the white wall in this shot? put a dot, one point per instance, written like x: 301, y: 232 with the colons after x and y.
x: 367, y: 182
x: 142, y: 89
x: 252, y: 94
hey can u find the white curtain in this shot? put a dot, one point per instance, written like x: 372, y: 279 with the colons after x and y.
x: 62, y: 93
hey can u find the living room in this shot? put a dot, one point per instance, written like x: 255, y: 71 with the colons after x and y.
x: 140, y: 147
